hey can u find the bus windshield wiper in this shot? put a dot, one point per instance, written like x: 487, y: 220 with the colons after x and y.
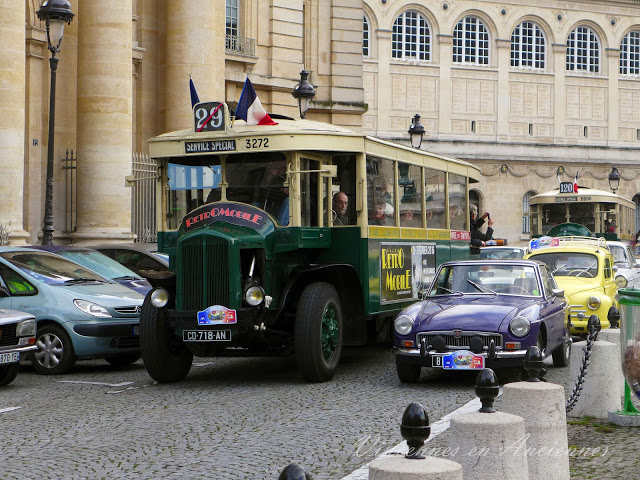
x: 481, y: 289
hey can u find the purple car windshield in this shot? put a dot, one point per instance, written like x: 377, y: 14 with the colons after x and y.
x: 487, y: 278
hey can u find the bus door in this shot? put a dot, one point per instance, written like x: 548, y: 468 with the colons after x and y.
x: 310, y: 178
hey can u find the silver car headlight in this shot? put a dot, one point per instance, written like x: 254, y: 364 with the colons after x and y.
x: 91, y: 308
x: 621, y: 282
x: 593, y: 303
x: 26, y: 328
x: 159, y: 297
x: 403, y: 324
x: 254, y: 296
x: 519, y: 326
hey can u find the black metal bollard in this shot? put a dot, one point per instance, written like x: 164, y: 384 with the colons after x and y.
x: 415, y: 429
x: 487, y: 389
x: 293, y: 471
x: 533, y: 364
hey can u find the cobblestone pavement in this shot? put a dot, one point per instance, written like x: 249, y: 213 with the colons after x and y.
x: 241, y: 419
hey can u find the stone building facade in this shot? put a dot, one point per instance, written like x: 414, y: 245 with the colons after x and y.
x: 519, y: 88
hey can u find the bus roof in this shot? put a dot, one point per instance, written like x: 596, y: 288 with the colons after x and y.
x: 304, y: 135
x: 589, y: 195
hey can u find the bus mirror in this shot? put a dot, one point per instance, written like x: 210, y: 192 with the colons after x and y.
x: 329, y: 171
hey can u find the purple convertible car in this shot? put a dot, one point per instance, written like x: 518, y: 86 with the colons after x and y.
x: 483, y: 313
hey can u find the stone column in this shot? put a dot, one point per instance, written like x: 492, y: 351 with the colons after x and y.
x: 445, y: 101
x: 613, y: 96
x: 12, y: 117
x: 559, y: 58
x: 104, y: 120
x: 195, y: 45
x: 384, y: 88
x: 504, y: 62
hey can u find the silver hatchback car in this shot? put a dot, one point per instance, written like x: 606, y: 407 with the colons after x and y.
x: 628, y: 268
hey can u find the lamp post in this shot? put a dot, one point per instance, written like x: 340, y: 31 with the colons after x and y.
x: 416, y: 132
x: 303, y: 92
x: 55, y: 14
x: 614, y: 179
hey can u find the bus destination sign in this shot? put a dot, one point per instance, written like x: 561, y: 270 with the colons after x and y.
x: 210, y: 146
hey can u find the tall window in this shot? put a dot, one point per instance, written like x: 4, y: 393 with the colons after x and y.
x: 526, y: 212
x: 365, y: 37
x: 630, y: 54
x: 636, y: 200
x: 411, y: 37
x: 471, y: 42
x: 528, y: 47
x: 231, y: 17
x: 583, y: 50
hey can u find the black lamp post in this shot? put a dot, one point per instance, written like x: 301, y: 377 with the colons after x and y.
x: 614, y: 179
x: 416, y: 132
x: 303, y: 92
x: 55, y: 13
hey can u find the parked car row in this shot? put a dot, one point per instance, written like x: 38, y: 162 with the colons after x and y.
x: 60, y: 304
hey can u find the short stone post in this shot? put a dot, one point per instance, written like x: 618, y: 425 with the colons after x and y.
x: 598, y: 397
x: 542, y: 405
x: 617, y: 377
x: 489, y: 445
x: 293, y: 471
x: 415, y: 430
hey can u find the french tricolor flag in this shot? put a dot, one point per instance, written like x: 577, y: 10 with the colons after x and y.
x: 250, y: 109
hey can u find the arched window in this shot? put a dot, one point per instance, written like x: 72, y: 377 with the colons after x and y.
x: 474, y: 199
x: 526, y: 219
x: 630, y: 54
x: 636, y: 200
x: 411, y: 37
x: 365, y: 37
x: 528, y: 46
x: 583, y: 50
x: 471, y: 42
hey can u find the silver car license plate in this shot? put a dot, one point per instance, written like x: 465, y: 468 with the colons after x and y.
x: 9, y: 357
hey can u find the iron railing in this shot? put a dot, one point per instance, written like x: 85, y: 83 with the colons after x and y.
x: 240, y: 45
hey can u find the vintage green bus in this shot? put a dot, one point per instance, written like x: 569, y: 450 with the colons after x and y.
x: 296, y: 238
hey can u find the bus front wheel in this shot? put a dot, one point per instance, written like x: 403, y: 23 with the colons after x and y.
x: 318, y: 332
x: 165, y: 357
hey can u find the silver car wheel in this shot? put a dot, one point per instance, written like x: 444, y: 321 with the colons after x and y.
x: 50, y: 350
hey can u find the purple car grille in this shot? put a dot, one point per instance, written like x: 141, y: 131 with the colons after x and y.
x: 460, y: 340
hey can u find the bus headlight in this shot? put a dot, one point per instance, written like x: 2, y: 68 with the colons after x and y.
x: 403, y: 324
x: 593, y: 303
x: 519, y: 326
x: 621, y: 282
x: 159, y: 297
x: 254, y: 296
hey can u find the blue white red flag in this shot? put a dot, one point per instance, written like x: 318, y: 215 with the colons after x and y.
x: 250, y: 109
x: 194, y: 94
x: 575, y: 184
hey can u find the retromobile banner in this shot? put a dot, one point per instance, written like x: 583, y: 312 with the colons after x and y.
x: 405, y: 268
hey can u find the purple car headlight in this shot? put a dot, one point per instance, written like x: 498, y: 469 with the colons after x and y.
x: 403, y: 324
x: 519, y: 326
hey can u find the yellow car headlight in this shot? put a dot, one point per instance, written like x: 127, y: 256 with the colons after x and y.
x: 593, y: 303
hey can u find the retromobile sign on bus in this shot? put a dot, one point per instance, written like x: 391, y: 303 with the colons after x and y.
x: 405, y: 268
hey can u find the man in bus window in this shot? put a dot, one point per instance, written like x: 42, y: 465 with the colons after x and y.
x: 340, y: 204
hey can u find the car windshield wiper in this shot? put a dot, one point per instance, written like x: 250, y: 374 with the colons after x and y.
x: 84, y: 280
x: 585, y: 270
x: 481, y: 289
x: 128, y: 277
x: 561, y: 266
x: 450, y: 291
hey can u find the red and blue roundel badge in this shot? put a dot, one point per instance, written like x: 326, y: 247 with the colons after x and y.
x: 217, y: 315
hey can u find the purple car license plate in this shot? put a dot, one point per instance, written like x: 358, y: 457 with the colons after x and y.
x: 460, y: 360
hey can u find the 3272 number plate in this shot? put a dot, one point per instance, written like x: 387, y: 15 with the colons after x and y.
x: 9, y: 357
x: 206, y: 335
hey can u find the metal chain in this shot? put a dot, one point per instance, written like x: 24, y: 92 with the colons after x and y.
x: 573, y: 399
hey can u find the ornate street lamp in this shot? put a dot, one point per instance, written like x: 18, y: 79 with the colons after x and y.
x: 416, y: 132
x: 55, y: 14
x: 303, y: 92
x: 614, y: 179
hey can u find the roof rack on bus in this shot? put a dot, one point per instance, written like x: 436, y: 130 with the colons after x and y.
x: 544, y: 242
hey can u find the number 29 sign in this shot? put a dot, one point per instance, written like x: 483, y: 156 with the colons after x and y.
x: 208, y: 117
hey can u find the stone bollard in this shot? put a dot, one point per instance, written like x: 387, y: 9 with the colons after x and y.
x: 489, y: 444
x: 613, y: 335
x: 415, y: 430
x: 542, y: 405
x: 597, y: 398
x: 293, y: 471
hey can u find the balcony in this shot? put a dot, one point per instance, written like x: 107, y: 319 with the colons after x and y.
x: 240, y: 45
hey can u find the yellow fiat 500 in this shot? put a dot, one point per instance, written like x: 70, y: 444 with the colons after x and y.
x: 584, y: 268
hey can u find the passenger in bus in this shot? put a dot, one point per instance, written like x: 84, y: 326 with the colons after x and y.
x: 612, y: 227
x: 409, y: 216
x: 479, y: 239
x: 340, y: 204
x: 379, y: 215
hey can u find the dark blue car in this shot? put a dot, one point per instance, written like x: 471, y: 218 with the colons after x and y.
x: 101, y: 264
x: 483, y: 313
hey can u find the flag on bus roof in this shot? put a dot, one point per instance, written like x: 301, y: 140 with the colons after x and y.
x: 575, y: 184
x: 194, y: 94
x: 250, y: 109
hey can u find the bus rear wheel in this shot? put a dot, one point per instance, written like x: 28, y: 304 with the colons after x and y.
x: 318, y: 332
x: 165, y: 357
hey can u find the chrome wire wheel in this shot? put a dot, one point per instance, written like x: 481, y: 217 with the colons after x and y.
x: 330, y: 333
